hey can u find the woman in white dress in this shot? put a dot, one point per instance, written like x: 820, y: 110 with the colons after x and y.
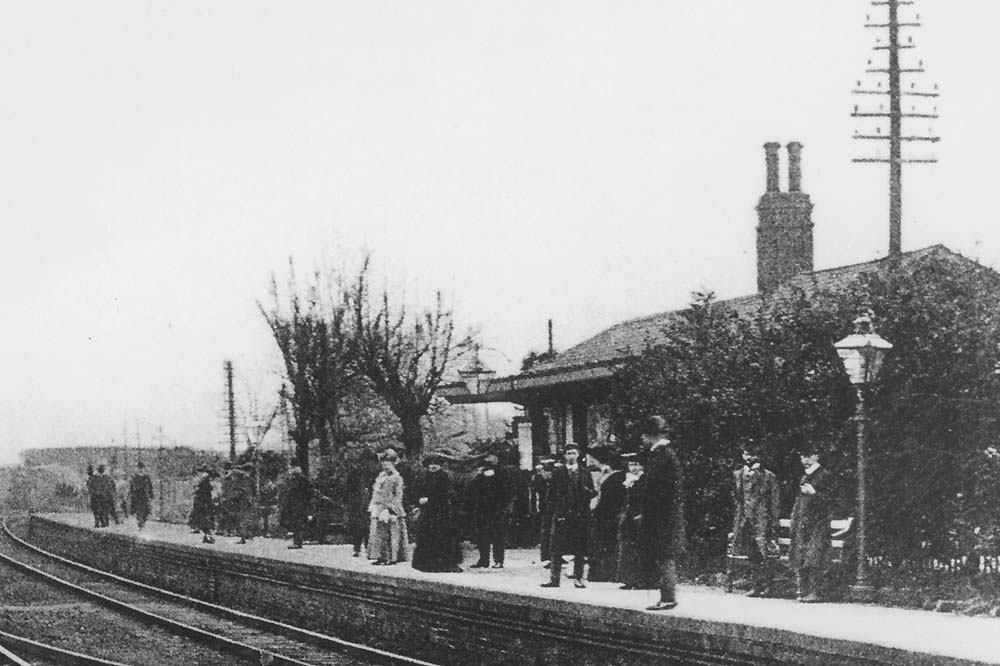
x: 387, y: 538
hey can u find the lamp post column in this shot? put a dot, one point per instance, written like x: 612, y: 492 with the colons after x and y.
x: 862, y: 589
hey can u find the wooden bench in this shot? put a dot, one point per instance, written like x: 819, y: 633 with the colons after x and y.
x: 841, y: 538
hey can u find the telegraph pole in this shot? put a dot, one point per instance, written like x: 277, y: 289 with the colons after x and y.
x: 895, y: 92
x: 231, y: 408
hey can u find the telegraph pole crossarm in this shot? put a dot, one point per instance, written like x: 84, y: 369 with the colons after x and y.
x: 894, y: 71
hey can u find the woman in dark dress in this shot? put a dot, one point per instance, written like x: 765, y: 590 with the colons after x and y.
x: 203, y: 508
x: 631, y: 569
x: 437, y: 547
x: 606, y: 516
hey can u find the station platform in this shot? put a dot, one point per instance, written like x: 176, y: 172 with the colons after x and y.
x: 882, y: 635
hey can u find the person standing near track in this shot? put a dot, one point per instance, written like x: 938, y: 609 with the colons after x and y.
x: 295, y: 504
x: 570, y: 493
x: 140, y: 494
x: 91, y: 496
x: 387, y: 536
x: 489, y: 502
x: 661, y: 524
x: 103, y: 495
x: 203, y: 508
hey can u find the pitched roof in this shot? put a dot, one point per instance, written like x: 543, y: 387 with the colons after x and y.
x: 630, y: 337
x: 597, y: 357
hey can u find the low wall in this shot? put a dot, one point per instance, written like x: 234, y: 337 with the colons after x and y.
x: 449, y: 624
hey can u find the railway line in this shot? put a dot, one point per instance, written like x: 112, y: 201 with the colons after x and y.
x: 244, y: 637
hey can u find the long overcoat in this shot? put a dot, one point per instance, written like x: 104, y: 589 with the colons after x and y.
x: 632, y: 569
x: 756, y: 520
x: 140, y: 494
x: 295, y: 499
x: 569, y: 503
x: 604, y: 540
x: 662, y: 526
x: 202, y: 507
x: 437, y: 546
x: 811, y: 522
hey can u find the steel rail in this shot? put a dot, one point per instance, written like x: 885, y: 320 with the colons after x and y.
x: 48, y: 651
x: 216, y: 641
x: 460, y: 617
x: 366, y: 652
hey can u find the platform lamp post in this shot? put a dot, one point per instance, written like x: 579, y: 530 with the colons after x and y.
x: 476, y: 376
x: 862, y: 354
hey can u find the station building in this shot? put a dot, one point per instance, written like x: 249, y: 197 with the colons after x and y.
x: 565, y: 396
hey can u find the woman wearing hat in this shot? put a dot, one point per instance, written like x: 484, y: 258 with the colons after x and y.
x: 387, y: 535
x: 437, y: 546
x: 630, y: 563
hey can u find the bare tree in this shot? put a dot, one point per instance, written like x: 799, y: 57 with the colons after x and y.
x: 314, y: 342
x: 403, y: 355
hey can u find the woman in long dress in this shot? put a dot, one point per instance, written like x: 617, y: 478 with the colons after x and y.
x: 437, y: 546
x: 632, y: 569
x: 387, y: 538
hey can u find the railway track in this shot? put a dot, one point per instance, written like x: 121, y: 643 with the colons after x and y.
x: 43, y: 654
x: 258, y: 640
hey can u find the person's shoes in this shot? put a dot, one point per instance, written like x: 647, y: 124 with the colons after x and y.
x: 549, y: 584
x: 498, y: 565
x: 760, y: 593
x: 294, y: 547
x: 578, y: 583
x: 457, y: 570
x: 662, y: 606
x: 628, y: 587
x: 379, y: 562
x: 241, y: 541
x: 480, y: 565
x: 207, y: 539
x: 810, y: 599
x: 357, y: 553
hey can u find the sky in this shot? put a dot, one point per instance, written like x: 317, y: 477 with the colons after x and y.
x: 583, y: 161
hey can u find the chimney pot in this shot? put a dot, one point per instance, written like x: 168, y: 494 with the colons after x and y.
x: 771, y: 158
x: 794, y: 166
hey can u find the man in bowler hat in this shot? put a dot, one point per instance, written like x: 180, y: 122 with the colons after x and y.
x: 661, y: 531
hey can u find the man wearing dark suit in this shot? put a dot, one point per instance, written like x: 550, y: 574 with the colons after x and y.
x: 811, y: 528
x: 570, y: 492
x: 490, y: 498
x: 661, y: 532
x: 755, y: 524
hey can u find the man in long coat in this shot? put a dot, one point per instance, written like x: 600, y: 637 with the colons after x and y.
x: 103, y: 494
x: 811, y: 528
x: 140, y: 494
x: 570, y: 492
x: 295, y: 504
x: 489, y: 502
x: 661, y: 532
x: 756, y: 520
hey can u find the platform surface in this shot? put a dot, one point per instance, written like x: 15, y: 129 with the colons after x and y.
x: 944, y: 634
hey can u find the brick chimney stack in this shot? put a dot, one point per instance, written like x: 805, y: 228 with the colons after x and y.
x: 785, y: 232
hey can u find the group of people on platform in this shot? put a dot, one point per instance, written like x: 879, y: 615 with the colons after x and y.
x: 226, y: 503
x: 626, y: 521
x: 102, y: 490
x: 756, y: 524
